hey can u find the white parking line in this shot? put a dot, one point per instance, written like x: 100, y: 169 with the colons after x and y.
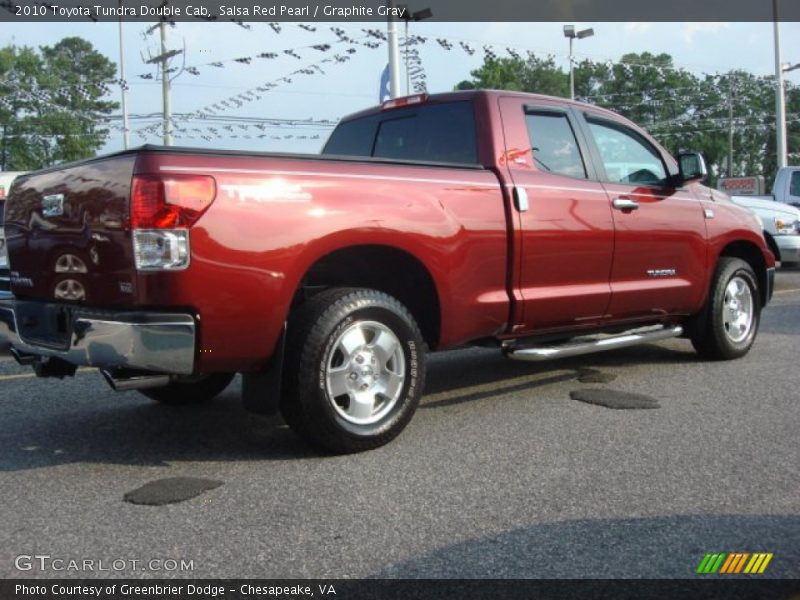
x: 787, y: 291
x: 31, y: 375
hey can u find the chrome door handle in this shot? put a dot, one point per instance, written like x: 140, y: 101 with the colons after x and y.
x: 521, y: 198
x: 624, y: 204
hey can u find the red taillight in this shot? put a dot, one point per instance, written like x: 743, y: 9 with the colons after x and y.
x: 166, y: 202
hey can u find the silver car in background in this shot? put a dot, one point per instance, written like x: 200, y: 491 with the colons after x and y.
x: 781, y: 224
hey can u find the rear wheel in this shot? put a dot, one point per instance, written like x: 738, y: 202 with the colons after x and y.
x: 190, y: 390
x: 354, y: 370
x: 728, y: 327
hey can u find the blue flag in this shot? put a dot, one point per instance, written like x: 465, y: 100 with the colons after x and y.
x: 384, y: 94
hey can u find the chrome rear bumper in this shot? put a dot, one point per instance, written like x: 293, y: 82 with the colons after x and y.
x: 146, y: 341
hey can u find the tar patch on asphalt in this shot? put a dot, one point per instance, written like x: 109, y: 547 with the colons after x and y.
x: 614, y: 398
x: 595, y: 376
x: 170, y: 490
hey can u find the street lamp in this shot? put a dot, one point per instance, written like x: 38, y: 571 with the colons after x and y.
x: 420, y: 15
x: 569, y: 32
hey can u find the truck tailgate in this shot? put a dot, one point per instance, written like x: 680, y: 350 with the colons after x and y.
x: 68, y: 233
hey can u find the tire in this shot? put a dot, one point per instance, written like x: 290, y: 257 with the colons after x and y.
x: 194, y: 390
x: 354, y: 370
x: 727, y: 328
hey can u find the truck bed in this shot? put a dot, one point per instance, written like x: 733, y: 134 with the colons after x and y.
x: 452, y: 215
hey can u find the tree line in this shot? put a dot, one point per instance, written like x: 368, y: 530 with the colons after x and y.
x: 52, y: 110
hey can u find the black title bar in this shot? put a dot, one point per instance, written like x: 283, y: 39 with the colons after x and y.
x: 708, y: 588
x: 378, y: 10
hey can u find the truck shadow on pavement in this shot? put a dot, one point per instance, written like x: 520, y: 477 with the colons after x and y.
x: 479, y: 374
x: 638, y: 548
x: 80, y: 420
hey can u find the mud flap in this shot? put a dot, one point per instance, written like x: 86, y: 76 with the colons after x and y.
x: 261, y: 390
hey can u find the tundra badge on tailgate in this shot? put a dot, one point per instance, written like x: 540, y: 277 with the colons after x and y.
x: 53, y: 205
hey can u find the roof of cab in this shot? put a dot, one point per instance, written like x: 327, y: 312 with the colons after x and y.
x: 464, y: 95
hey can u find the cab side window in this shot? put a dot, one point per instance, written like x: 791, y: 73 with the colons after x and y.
x: 553, y: 144
x: 626, y: 156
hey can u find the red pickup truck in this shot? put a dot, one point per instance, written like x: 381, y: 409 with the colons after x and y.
x: 521, y: 221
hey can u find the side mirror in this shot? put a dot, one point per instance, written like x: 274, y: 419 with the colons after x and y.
x: 692, y: 167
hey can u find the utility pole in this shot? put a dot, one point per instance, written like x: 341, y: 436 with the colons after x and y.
x: 123, y: 86
x: 163, y: 60
x: 165, y: 87
x: 394, y: 52
x: 780, y: 102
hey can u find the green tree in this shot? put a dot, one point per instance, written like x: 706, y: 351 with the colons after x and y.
x: 51, y: 106
x: 533, y: 74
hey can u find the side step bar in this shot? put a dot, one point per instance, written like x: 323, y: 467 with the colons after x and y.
x: 629, y: 338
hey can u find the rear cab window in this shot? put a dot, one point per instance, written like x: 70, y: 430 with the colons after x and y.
x: 438, y: 133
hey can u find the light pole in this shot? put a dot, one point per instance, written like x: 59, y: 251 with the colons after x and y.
x: 780, y: 102
x: 569, y: 32
x: 394, y: 51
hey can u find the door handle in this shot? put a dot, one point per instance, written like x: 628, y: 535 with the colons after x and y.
x: 521, y: 199
x: 624, y: 204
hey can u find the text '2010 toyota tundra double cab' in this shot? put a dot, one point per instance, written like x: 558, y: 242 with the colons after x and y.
x: 518, y: 220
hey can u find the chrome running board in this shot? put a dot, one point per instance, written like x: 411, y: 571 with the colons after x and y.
x: 634, y: 337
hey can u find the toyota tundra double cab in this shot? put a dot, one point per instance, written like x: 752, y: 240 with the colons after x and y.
x: 544, y: 227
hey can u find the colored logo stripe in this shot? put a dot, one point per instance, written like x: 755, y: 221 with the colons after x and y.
x: 758, y: 563
x: 734, y: 563
x: 710, y: 563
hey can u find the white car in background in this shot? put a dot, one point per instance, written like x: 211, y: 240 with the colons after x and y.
x: 781, y: 224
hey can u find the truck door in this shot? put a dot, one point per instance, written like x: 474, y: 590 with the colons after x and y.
x: 565, y: 227
x: 660, y: 234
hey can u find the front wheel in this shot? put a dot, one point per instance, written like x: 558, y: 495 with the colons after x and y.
x: 190, y: 390
x: 355, y: 369
x: 728, y: 327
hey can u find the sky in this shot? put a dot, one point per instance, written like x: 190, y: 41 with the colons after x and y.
x: 337, y: 89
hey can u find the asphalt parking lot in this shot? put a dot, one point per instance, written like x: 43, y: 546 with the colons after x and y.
x: 500, y: 474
